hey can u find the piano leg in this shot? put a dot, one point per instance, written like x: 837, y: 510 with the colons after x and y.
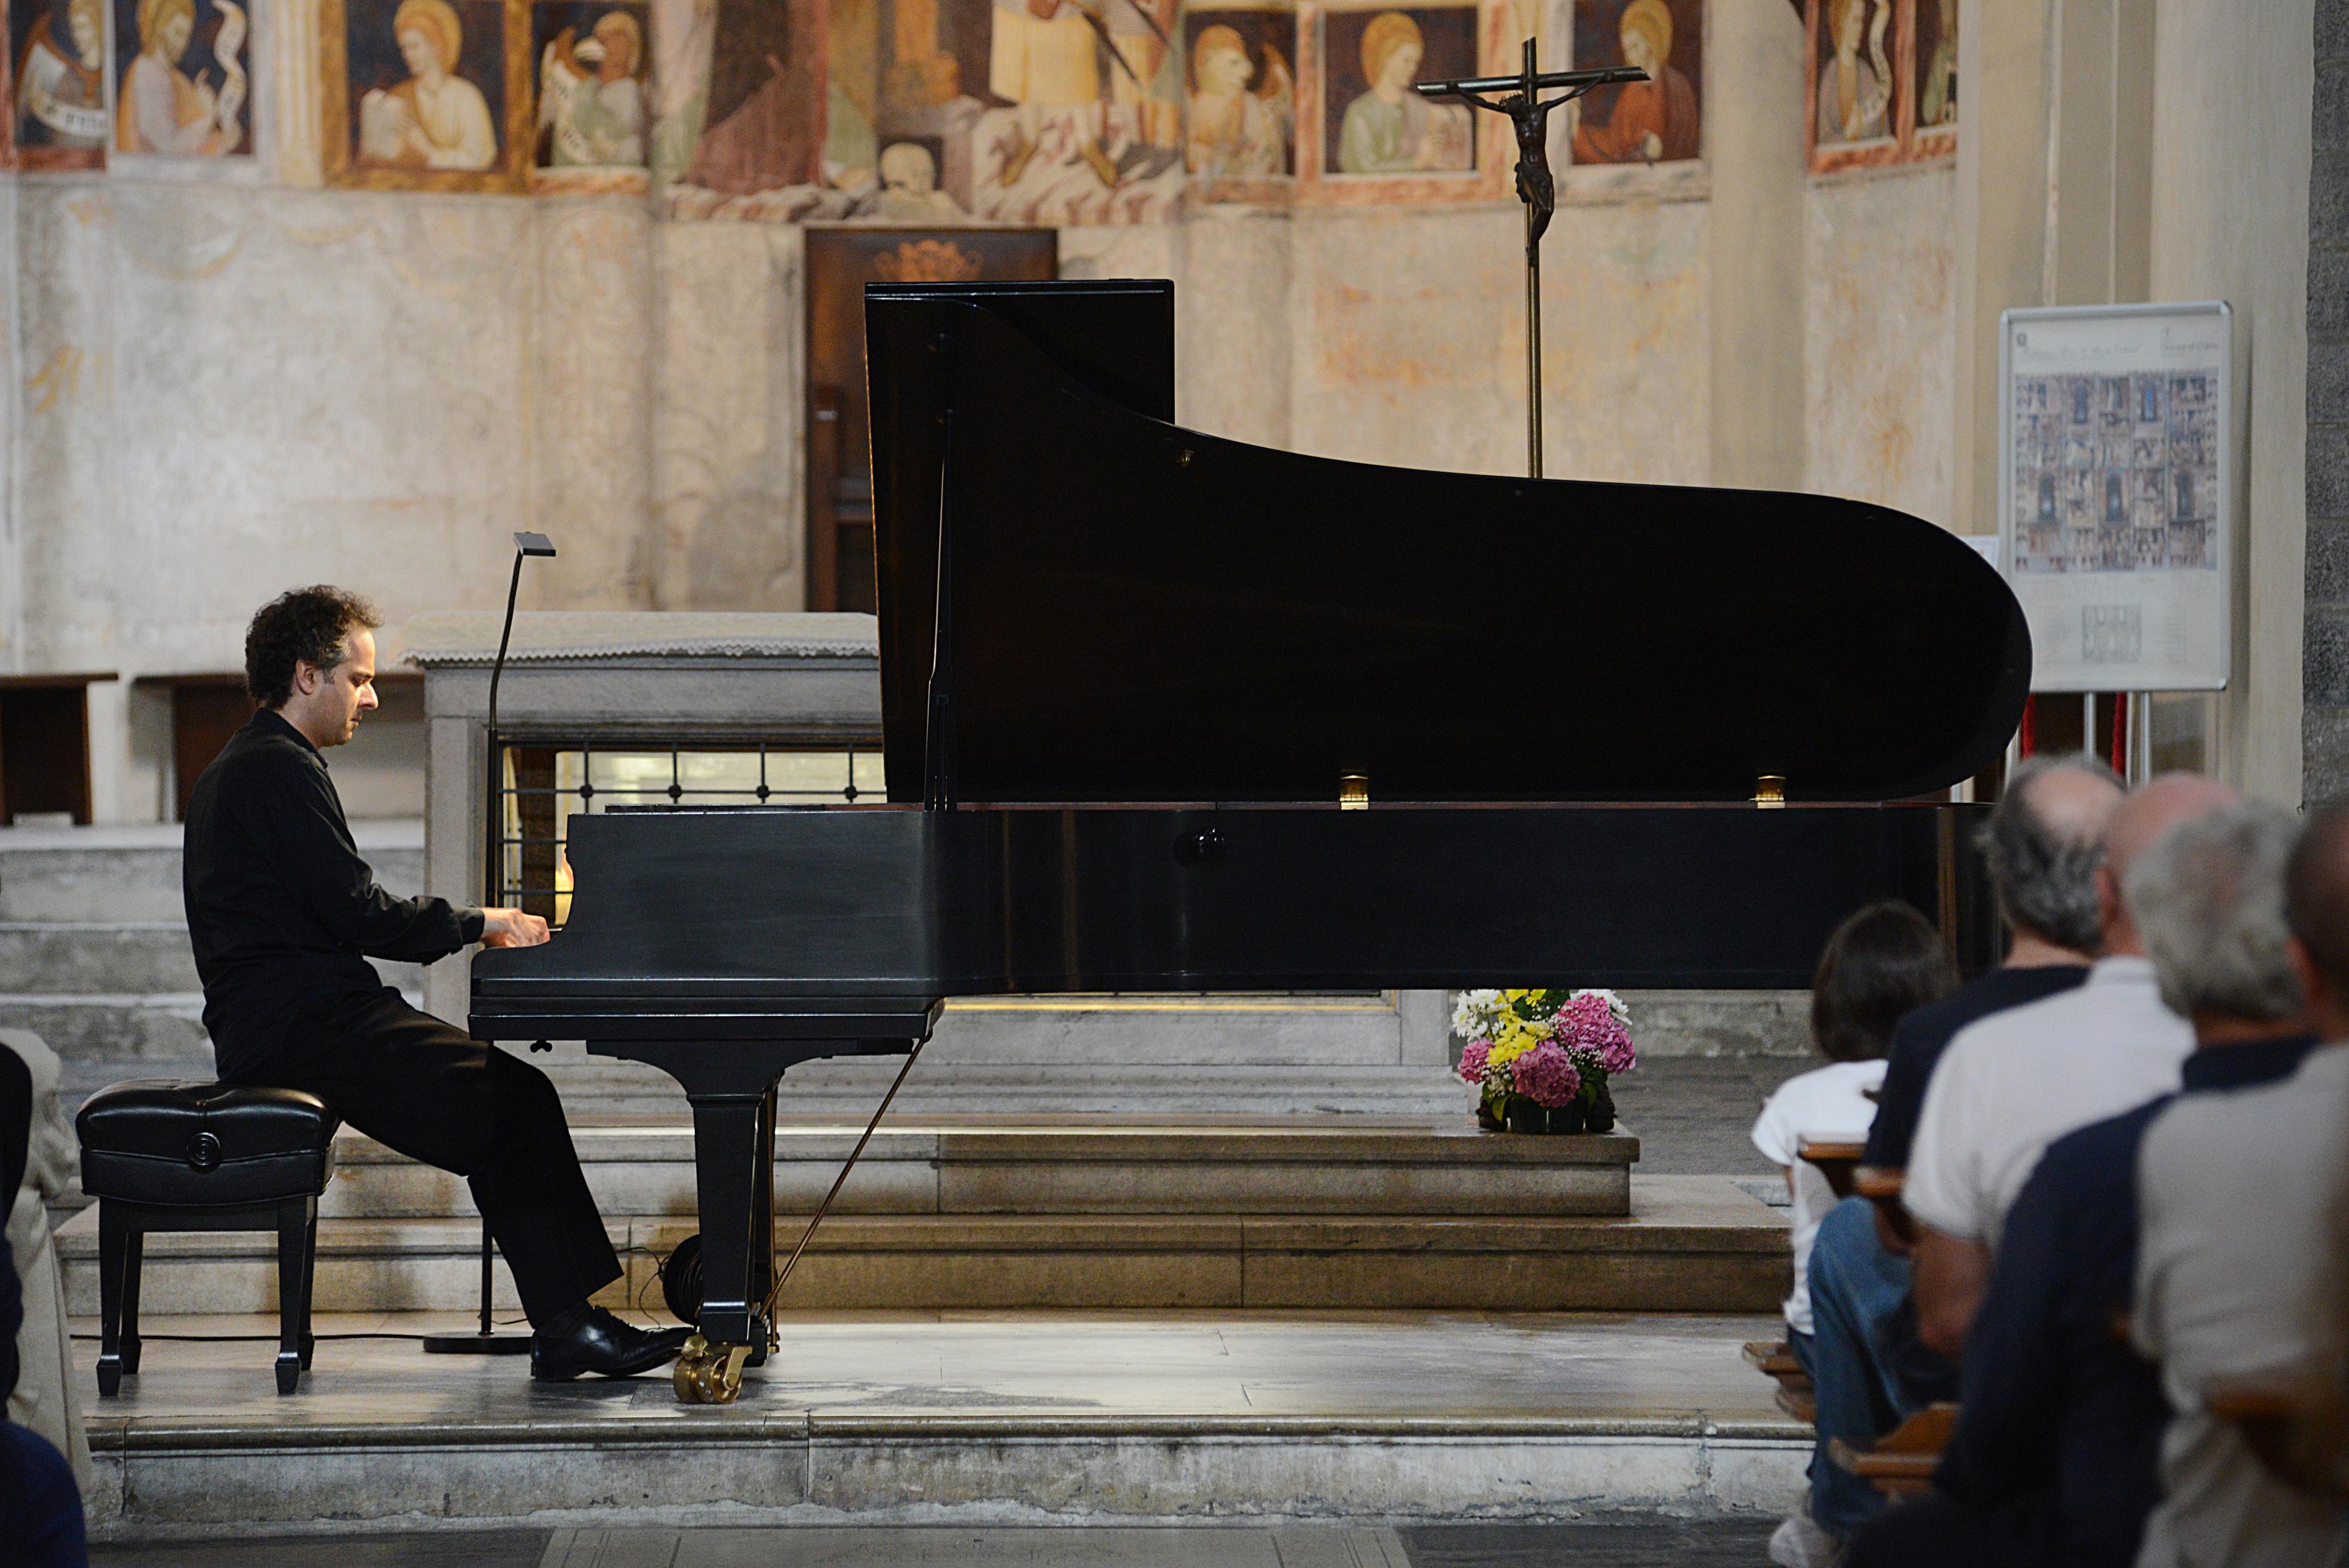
x: 731, y: 1086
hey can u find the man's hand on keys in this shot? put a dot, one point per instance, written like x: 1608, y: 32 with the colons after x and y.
x: 511, y: 928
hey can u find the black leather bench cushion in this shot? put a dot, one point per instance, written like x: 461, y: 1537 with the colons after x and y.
x: 160, y: 1141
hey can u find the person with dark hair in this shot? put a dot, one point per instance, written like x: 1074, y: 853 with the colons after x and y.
x: 1869, y: 1372
x: 283, y: 913
x: 1880, y: 965
x: 2242, y: 1260
x: 2053, y: 1459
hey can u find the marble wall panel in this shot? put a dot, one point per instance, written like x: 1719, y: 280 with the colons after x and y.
x: 1410, y: 341
x: 371, y: 426
x: 1627, y: 346
x: 1880, y: 339
x: 592, y: 402
x: 729, y: 437
x: 65, y: 232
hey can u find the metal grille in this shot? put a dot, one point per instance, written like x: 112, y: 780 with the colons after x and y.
x: 543, y: 783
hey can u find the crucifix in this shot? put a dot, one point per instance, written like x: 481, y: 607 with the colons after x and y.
x: 1519, y: 98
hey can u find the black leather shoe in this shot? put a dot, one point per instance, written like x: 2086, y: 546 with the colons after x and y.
x: 600, y: 1343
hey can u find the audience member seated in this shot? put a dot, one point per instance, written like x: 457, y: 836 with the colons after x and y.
x: 2011, y: 1085
x: 1879, y: 966
x: 40, y: 1509
x: 2052, y: 1461
x: 45, y: 1400
x: 1867, y: 1372
x: 2239, y: 1262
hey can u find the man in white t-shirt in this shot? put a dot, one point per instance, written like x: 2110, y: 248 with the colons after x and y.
x: 2242, y: 1258
x: 2017, y: 1081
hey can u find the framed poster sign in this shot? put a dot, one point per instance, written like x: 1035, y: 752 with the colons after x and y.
x: 2117, y: 492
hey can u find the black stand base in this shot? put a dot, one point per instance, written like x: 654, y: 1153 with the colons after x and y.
x: 477, y: 1343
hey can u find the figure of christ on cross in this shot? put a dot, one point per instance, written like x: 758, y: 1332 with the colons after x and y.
x: 1519, y: 98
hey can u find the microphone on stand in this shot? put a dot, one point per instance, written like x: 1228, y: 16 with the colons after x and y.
x: 486, y: 1341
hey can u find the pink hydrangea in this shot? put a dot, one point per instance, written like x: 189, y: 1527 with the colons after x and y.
x: 1590, y: 1031
x: 1472, y: 1060
x: 1546, y: 1076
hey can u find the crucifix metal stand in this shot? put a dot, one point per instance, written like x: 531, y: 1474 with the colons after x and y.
x: 1519, y: 98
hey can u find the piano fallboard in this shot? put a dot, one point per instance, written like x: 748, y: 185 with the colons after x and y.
x: 852, y: 922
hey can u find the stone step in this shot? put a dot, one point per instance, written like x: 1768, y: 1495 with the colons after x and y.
x: 1225, y: 1420
x: 1066, y: 1165
x: 132, y: 875
x: 132, y: 958
x: 157, y: 1034
x: 165, y: 1027
x: 1690, y: 1245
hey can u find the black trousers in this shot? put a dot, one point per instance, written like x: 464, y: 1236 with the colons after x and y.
x: 1934, y: 1530
x: 417, y: 1085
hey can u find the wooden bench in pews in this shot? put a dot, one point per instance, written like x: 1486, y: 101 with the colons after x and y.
x: 1902, y: 1465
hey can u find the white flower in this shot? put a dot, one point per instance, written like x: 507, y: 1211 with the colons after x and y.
x: 1615, y: 1003
x: 1473, y: 1012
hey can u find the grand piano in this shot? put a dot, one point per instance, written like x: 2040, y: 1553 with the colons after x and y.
x: 1167, y: 711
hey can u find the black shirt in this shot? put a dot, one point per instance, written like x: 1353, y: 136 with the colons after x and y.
x: 282, y: 912
x: 1921, y: 1037
x: 2060, y: 1419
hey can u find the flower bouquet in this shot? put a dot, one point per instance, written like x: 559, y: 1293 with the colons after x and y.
x: 1540, y: 1059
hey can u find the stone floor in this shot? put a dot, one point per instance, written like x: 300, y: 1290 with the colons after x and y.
x: 1118, y: 1365
x: 1634, y: 1542
x: 961, y: 1419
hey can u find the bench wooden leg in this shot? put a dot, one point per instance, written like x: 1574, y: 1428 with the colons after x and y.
x: 112, y: 1253
x: 293, y: 1218
x: 309, y: 1283
x: 134, y: 1263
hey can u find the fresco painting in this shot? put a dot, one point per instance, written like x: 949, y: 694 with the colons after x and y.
x: 183, y: 86
x: 1031, y: 111
x: 59, y: 47
x: 593, y: 112
x: 1660, y: 120
x: 1242, y: 113
x: 1883, y: 86
x: 1375, y: 123
x: 427, y: 94
x: 1937, y: 68
x: 1855, y: 75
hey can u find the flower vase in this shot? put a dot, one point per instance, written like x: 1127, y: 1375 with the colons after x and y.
x: 1567, y: 1118
x: 1524, y: 1116
x: 1487, y: 1119
x: 1599, y: 1115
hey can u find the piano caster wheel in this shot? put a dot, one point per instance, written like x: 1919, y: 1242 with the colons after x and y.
x: 710, y: 1374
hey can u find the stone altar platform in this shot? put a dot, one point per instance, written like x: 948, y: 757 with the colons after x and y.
x: 964, y: 1418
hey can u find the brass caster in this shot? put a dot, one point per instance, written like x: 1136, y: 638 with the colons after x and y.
x: 710, y: 1374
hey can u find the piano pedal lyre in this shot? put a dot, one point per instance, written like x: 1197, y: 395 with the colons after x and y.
x: 710, y: 1374
x: 1353, y: 793
x: 1770, y: 791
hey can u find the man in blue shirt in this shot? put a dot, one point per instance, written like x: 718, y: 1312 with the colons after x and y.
x: 2060, y: 1421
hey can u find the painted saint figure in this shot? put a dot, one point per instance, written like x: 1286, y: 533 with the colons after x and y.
x: 1237, y: 133
x: 1042, y: 58
x: 1937, y: 84
x: 1855, y: 94
x: 435, y: 118
x: 61, y: 87
x: 590, y: 107
x: 1385, y: 128
x: 1654, y: 121
x: 161, y: 109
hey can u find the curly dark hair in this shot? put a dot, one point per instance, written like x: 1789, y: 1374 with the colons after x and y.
x: 307, y: 625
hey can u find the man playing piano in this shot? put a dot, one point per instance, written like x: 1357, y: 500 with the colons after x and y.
x: 283, y: 915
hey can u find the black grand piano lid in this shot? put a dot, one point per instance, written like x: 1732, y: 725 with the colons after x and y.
x: 1143, y: 612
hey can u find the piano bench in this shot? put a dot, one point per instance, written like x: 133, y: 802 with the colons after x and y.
x: 162, y: 1155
